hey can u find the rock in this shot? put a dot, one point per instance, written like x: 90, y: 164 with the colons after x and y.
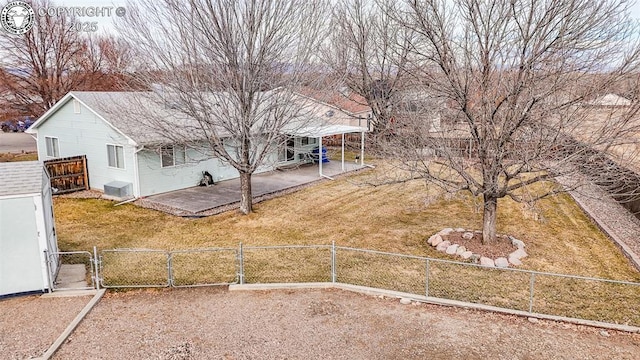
x: 446, y: 231
x: 517, y: 243
x: 405, y: 301
x: 459, y: 230
x: 451, y: 250
x: 533, y: 320
x: 514, y: 261
x: 604, y: 333
x: 485, y: 261
x: 460, y: 250
x: 437, y: 240
x: 466, y: 255
x: 431, y: 238
x: 502, y: 262
x: 475, y: 258
x: 443, y: 246
x: 468, y: 235
x: 518, y: 254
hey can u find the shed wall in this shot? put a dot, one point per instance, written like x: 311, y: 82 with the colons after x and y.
x: 20, y: 258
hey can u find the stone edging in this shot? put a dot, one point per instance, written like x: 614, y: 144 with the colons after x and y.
x: 513, y: 259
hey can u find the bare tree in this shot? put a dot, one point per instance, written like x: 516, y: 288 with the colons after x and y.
x: 229, y: 66
x: 44, y: 64
x: 519, y: 83
x: 369, y: 52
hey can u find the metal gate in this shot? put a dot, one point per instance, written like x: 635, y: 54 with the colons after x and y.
x: 71, y: 270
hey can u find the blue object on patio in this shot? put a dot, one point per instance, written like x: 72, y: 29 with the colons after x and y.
x: 315, y: 151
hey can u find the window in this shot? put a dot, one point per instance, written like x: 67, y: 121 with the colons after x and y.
x: 287, y: 152
x: 172, y: 155
x: 115, y: 154
x: 53, y: 150
x: 308, y: 141
x: 76, y: 106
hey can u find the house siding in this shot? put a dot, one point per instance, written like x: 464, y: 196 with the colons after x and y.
x: 87, y: 134
x: 154, y: 179
x: 19, y: 248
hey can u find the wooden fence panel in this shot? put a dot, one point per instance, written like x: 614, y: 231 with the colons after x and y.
x: 68, y: 174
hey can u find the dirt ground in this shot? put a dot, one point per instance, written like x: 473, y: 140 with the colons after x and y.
x: 30, y: 324
x: 209, y: 323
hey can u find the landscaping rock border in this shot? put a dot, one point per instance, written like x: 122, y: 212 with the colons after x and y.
x: 441, y: 244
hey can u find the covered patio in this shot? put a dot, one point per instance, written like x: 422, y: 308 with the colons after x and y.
x: 201, y: 200
x: 321, y: 131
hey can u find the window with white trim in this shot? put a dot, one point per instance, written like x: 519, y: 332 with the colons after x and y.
x: 53, y: 149
x: 115, y: 155
x: 172, y: 155
x: 308, y: 141
x: 76, y: 106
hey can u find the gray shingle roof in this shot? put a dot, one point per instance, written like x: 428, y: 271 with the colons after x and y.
x: 19, y: 178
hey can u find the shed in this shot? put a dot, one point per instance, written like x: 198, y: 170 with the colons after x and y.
x: 26, y: 228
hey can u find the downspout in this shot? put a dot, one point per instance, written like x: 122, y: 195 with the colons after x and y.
x: 136, y: 174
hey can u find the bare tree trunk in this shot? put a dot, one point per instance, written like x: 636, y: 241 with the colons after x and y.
x: 489, y: 219
x: 246, y: 204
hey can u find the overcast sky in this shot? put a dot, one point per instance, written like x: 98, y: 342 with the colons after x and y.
x: 105, y: 23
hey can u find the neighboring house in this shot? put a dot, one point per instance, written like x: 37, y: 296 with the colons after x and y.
x: 341, y: 107
x: 26, y: 228
x: 609, y: 100
x: 124, y: 154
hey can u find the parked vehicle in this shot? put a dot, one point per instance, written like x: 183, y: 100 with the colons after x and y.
x: 16, y: 125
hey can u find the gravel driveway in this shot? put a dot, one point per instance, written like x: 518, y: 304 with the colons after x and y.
x: 30, y: 324
x: 208, y: 323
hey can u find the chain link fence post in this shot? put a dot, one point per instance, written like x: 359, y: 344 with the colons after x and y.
x: 96, y: 265
x: 426, y: 282
x: 334, y: 275
x: 47, y: 263
x: 169, y: 269
x: 532, y: 283
x: 241, y: 259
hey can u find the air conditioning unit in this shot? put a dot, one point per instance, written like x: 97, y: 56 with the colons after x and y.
x: 119, y: 189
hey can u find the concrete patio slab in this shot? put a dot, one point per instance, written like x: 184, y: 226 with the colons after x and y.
x: 202, y: 198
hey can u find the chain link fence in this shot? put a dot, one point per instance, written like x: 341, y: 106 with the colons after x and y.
x: 534, y: 292
x: 286, y: 264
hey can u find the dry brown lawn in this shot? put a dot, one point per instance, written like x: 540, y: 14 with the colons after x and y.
x: 394, y: 218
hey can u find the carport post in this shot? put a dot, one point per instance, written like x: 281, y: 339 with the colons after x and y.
x: 362, y: 149
x: 320, y: 156
x: 342, y: 152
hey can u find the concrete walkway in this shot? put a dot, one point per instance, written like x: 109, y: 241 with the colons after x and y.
x: 72, y: 276
x: 198, y: 199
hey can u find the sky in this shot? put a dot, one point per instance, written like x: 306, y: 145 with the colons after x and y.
x: 104, y: 24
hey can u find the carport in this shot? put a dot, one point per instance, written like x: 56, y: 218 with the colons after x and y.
x: 320, y: 131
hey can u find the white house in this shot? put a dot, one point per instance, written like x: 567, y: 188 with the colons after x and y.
x: 26, y: 228
x: 138, y: 161
x: 609, y: 100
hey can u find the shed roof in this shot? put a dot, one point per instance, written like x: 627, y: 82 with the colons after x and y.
x: 21, y: 178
